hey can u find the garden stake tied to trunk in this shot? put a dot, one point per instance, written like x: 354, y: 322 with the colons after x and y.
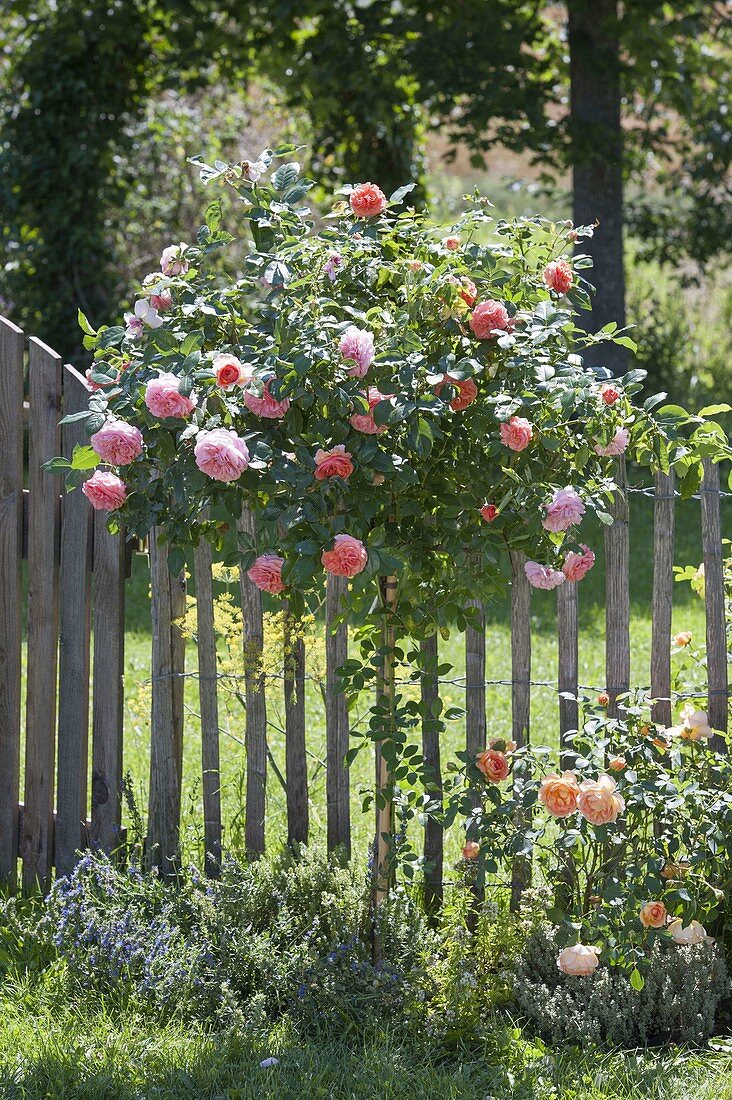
x: 349, y: 376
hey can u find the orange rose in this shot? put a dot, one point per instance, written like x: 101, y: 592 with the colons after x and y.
x: 471, y: 849
x: 617, y: 763
x: 367, y: 200
x: 653, y: 914
x: 598, y: 802
x: 603, y: 699
x: 559, y: 793
x: 682, y: 638
x: 493, y: 765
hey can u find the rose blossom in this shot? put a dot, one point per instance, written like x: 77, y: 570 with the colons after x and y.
x: 683, y: 638
x: 221, y: 454
x: 117, y: 442
x: 690, y: 936
x: 347, y: 557
x: 452, y: 243
x: 617, y: 763
x: 576, y: 566
x: 470, y: 849
x: 508, y: 746
x: 558, y: 276
x: 364, y: 422
x: 616, y: 446
x: 466, y: 395
x: 266, y: 573
x: 465, y: 287
x: 95, y: 387
x: 653, y: 914
x: 229, y: 371
x: 489, y: 512
x: 333, y: 463
x: 357, y: 344
x: 164, y: 399
x: 598, y: 802
x: 558, y: 793
x: 493, y: 764
x: 543, y: 576
x: 144, y: 314
x: 105, y: 491
x: 266, y: 406
x: 563, y: 511
x: 488, y: 317
x: 694, y: 725
x: 516, y: 433
x: 334, y: 262
x: 367, y: 200
x: 603, y: 699
x: 578, y: 961
x: 172, y: 262
x: 609, y: 393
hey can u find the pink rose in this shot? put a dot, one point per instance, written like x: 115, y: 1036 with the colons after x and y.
x: 489, y: 317
x: 694, y: 725
x: 489, y: 512
x: 578, y: 961
x: 563, y: 511
x: 95, y: 387
x: 516, y: 433
x: 117, y: 442
x: 266, y: 573
x: 493, y: 764
x: 616, y: 446
x: 266, y: 406
x: 229, y: 371
x: 452, y: 243
x: 105, y: 491
x: 164, y: 399
x: 357, y: 345
x: 653, y: 914
x: 333, y: 463
x: 598, y: 802
x: 367, y: 200
x: 689, y: 936
x: 576, y: 566
x: 172, y: 262
x: 470, y: 850
x: 609, y: 393
x: 161, y: 299
x: 558, y: 276
x: 617, y: 763
x: 221, y: 454
x: 333, y: 264
x: 364, y: 422
x: 542, y: 576
x: 466, y: 395
x: 347, y: 557
x: 558, y: 794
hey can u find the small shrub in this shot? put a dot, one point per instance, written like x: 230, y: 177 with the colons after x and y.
x: 679, y: 1000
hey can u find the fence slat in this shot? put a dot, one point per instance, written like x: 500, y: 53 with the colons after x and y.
x: 520, y: 691
x: 296, y: 761
x: 567, y: 666
x: 11, y: 549
x: 36, y: 841
x: 208, y: 696
x: 617, y: 594
x: 663, y: 584
x: 433, y: 831
x: 717, y: 674
x: 475, y: 724
x: 163, y: 840
x: 336, y: 720
x: 74, y: 647
x: 108, y: 698
x: 256, y: 714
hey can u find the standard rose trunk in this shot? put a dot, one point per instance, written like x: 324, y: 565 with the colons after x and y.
x: 383, y: 863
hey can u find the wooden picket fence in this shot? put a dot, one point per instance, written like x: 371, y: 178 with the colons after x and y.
x: 74, y: 626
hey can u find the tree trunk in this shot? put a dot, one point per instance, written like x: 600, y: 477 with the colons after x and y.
x: 597, y: 151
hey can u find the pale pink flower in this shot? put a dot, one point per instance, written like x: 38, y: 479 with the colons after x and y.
x: 164, y: 399
x: 117, y: 442
x: 543, y: 576
x: 470, y: 850
x: 616, y: 446
x: 653, y: 914
x: 106, y: 492
x: 333, y: 265
x: 578, y: 961
x: 172, y: 261
x: 364, y: 422
x: 333, y: 463
x: 488, y: 318
x: 367, y: 200
x: 347, y: 557
x: 229, y: 371
x: 558, y: 276
x: 689, y: 936
x: 563, y: 511
x: 598, y: 802
x: 466, y: 395
x: 465, y: 287
x: 576, y: 566
x: 452, y: 243
x: 144, y: 314
x: 516, y: 433
x: 266, y: 406
x: 266, y: 573
x: 694, y: 725
x: 221, y: 454
x: 357, y: 346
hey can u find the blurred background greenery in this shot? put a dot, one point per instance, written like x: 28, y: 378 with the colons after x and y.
x: 584, y: 110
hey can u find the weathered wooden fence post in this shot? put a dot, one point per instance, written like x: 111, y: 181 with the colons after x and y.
x: 11, y: 599
x: 296, y: 762
x: 717, y: 673
x: 336, y: 720
x: 663, y: 583
x: 617, y: 595
x: 255, y: 735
